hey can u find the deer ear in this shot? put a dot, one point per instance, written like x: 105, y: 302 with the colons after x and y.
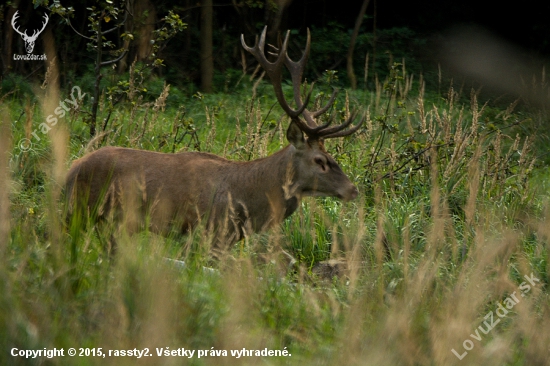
x: 295, y: 136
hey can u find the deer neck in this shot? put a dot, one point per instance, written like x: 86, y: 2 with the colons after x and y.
x: 275, y: 175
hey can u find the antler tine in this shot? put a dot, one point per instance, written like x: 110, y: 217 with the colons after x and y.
x: 273, y: 69
x: 337, y: 131
x: 36, y: 32
x: 308, y: 129
x: 45, y: 23
x: 328, y: 105
x: 13, y: 19
x: 296, y: 69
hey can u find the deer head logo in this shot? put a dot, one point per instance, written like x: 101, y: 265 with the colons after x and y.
x: 29, y: 40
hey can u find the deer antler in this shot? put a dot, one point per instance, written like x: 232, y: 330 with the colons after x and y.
x: 13, y: 19
x: 43, y: 27
x: 296, y: 69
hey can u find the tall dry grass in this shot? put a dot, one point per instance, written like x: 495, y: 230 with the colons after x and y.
x: 445, y: 231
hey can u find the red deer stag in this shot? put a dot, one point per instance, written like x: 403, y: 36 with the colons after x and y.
x: 232, y: 198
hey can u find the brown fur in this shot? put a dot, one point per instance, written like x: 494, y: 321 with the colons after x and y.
x: 177, y: 191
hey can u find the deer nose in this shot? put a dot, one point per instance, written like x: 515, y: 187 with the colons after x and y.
x: 350, y: 194
x: 354, y: 193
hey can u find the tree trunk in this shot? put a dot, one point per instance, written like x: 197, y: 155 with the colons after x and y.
x: 358, y: 21
x: 98, y: 77
x: 142, y: 30
x: 145, y: 31
x: 207, y: 61
x: 7, y: 49
x: 187, y: 41
x: 374, y: 18
x: 128, y: 26
x: 276, y: 16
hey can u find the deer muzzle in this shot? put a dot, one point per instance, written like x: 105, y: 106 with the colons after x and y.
x: 349, y: 193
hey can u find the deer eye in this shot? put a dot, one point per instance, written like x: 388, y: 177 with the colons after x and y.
x: 321, y: 163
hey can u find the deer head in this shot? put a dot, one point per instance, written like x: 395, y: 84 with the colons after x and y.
x: 29, y: 40
x: 314, y: 167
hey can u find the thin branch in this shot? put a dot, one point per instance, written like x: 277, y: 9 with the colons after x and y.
x: 418, y: 154
x: 413, y: 157
x: 105, y: 63
x: 117, y: 26
x: 77, y: 32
